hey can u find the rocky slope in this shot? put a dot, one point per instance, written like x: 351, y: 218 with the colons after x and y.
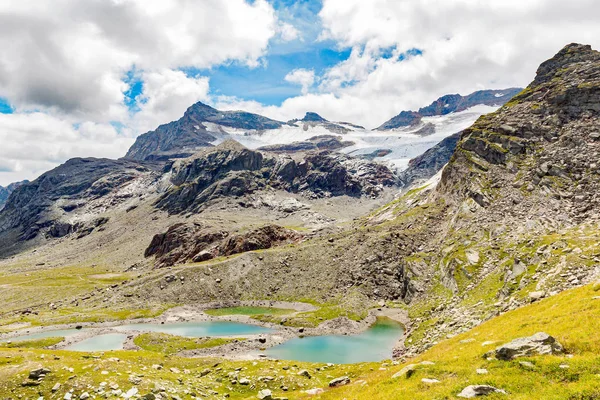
x: 58, y: 202
x: 85, y: 196
x: 6, y: 191
x: 425, y: 166
x: 233, y: 170
x: 520, y: 200
x: 196, y: 243
x: 448, y: 104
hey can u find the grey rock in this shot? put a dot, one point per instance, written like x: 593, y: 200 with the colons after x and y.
x: 38, y: 373
x: 535, y: 296
x: 304, y: 373
x: 265, y: 394
x: 341, y: 381
x: 540, y: 343
x: 478, y: 390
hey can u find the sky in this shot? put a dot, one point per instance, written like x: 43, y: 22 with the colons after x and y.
x: 83, y: 78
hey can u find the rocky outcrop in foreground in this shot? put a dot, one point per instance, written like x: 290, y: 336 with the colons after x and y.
x: 539, y: 344
x: 197, y: 243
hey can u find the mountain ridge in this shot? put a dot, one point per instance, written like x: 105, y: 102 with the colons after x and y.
x: 5, y: 192
x: 447, y: 104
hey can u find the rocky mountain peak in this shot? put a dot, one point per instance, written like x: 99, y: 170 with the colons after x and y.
x: 536, y: 155
x: 200, y: 109
x: 313, y: 117
x: 573, y: 53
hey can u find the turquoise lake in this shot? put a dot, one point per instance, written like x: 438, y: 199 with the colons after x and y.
x: 107, y: 342
x: 200, y: 329
x: 375, y: 344
x: 47, y: 334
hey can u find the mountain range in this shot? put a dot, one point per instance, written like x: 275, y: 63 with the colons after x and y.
x: 473, y: 221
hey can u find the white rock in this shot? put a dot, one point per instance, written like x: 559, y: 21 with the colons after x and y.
x: 265, y: 394
x: 130, y: 393
x: 478, y: 390
x: 314, y: 392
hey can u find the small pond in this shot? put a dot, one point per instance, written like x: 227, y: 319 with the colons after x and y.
x: 107, y: 342
x: 200, y: 329
x: 47, y: 334
x: 375, y: 344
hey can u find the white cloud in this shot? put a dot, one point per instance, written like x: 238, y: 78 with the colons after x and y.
x: 288, y: 32
x: 68, y: 59
x: 34, y: 143
x: 302, y: 77
x: 70, y: 55
x: 165, y: 97
x: 467, y: 45
x: 65, y: 60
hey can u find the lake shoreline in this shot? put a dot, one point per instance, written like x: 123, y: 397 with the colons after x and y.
x: 251, y: 348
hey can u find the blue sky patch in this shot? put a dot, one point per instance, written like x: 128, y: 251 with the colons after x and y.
x: 267, y: 84
x: 5, y: 107
x: 136, y: 86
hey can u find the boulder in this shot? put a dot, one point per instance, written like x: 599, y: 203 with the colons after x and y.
x: 407, y: 371
x: 265, y: 394
x: 341, y: 381
x: 478, y: 390
x: 540, y: 343
x: 304, y: 373
x: 38, y: 373
x: 535, y: 296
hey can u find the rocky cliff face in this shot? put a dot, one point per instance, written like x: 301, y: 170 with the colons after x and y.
x: 518, y: 203
x: 49, y: 204
x: 6, y: 191
x: 184, y: 137
x: 429, y: 163
x: 449, y: 104
x: 537, y: 154
x: 232, y: 170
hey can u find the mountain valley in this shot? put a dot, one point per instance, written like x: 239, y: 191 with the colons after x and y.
x: 473, y: 222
